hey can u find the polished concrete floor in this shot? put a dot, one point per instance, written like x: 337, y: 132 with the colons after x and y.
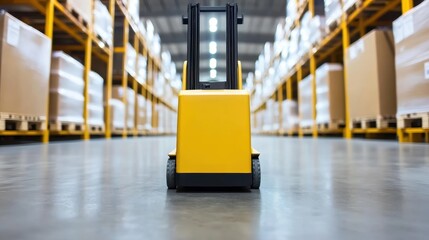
x: 311, y: 189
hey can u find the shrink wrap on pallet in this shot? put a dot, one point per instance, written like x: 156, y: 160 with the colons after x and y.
x: 119, y: 93
x: 293, y: 48
x: 330, y: 93
x: 66, y: 89
x: 148, y: 125
x: 290, y: 115
x: 133, y: 9
x: 103, y: 22
x: 291, y: 13
x: 141, y: 106
x: 305, y: 102
x: 141, y: 69
x: 117, y: 111
x: 95, y: 104
x: 304, y: 39
x: 317, y: 29
x: 370, y: 73
x: 65, y: 106
x: 25, y: 62
x: 131, y: 60
x: 333, y: 11
x: 412, y: 60
x: 268, y: 116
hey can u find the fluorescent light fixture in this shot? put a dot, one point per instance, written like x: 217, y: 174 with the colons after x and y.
x: 213, y: 24
x: 213, y: 73
x: 213, y: 62
x: 213, y: 29
x: 212, y: 47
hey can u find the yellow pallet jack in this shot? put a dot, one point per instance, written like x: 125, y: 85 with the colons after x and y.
x: 213, y: 147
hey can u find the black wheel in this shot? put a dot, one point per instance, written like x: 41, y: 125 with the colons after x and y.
x: 256, y: 174
x: 171, y: 174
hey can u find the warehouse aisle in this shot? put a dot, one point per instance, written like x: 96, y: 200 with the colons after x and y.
x: 319, y: 189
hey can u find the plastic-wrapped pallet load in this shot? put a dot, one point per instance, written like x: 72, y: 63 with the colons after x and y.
x: 412, y: 60
x: 66, y: 91
x: 317, y: 29
x: 291, y: 13
x: 131, y: 60
x: 305, y: 102
x: 330, y: 94
x: 133, y: 9
x: 280, y: 38
x: 117, y: 111
x: 82, y: 7
x: 290, y: 115
x: 95, y: 105
x: 103, y: 22
x: 268, y: 116
x: 141, y: 69
x: 276, y: 116
x: 305, y: 31
x: 293, y: 48
x: 24, y: 68
x: 118, y: 93
x: 141, y: 102
x: 370, y: 73
x: 148, y: 125
x: 333, y: 12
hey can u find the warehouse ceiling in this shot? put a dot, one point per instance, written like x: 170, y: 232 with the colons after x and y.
x: 260, y: 19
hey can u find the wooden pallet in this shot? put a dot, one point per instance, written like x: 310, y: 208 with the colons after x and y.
x: 373, y: 123
x: 96, y: 128
x: 334, y: 25
x: 332, y: 125
x: 18, y: 122
x: 58, y: 126
x: 353, y: 7
x: 414, y: 120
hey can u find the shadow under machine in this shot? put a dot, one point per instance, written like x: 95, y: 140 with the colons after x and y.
x: 213, y: 147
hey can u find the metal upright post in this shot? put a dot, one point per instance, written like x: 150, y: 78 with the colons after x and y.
x: 299, y: 78
x: 407, y: 5
x: 346, y: 44
x: 49, y: 31
x: 313, y: 66
x: 109, y: 77
x: 125, y: 75
x: 86, y: 75
x: 280, y: 103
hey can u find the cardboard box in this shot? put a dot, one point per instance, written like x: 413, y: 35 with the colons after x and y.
x: 370, y: 73
x: 305, y: 102
x: 25, y: 61
x: 330, y: 105
x: 412, y: 60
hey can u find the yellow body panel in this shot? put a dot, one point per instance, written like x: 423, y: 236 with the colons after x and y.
x: 213, y: 132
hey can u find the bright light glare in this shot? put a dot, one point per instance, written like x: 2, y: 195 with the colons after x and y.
x: 213, y: 29
x: 213, y: 73
x: 213, y: 21
x: 213, y: 62
x: 212, y: 47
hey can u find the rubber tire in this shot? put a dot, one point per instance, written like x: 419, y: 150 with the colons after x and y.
x: 171, y: 174
x: 256, y: 174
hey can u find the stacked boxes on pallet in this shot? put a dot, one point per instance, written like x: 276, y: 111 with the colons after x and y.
x: 103, y: 22
x: 371, y: 73
x: 130, y: 65
x: 347, y: 4
x: 119, y: 93
x: 305, y: 102
x: 412, y: 63
x: 330, y: 105
x: 148, y: 122
x: 133, y: 9
x: 95, y: 104
x: 66, y: 98
x: 141, y: 69
x: 24, y: 69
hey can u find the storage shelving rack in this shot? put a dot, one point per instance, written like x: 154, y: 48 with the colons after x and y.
x: 75, y: 36
x: 365, y: 14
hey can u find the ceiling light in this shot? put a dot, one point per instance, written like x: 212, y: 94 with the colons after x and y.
x: 213, y: 21
x: 213, y: 62
x: 213, y: 73
x: 212, y: 47
x: 213, y: 29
